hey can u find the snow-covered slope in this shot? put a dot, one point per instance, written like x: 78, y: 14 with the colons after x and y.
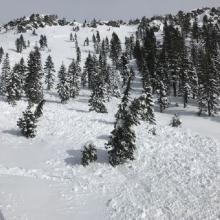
x: 175, y: 174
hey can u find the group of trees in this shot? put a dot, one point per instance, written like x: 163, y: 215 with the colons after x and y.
x: 43, y: 41
x: 178, y: 66
x: 69, y: 81
x: 20, y: 44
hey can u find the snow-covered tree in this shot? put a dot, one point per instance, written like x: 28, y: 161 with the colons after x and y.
x: 33, y: 82
x: 74, y: 78
x: 115, y: 49
x: 27, y: 124
x: 1, y: 53
x: 162, y: 96
x: 63, y: 86
x: 175, y: 122
x: 142, y: 107
x: 121, y: 144
x: 5, y: 75
x: 15, y: 85
x: 97, y: 99
x: 89, y: 154
x: 78, y: 54
x: 49, y: 73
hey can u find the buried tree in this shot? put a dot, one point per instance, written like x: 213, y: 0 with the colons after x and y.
x: 27, y: 123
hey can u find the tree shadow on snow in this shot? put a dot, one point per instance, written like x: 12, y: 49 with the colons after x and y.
x: 103, y: 121
x: 76, y: 155
x: 13, y: 50
x: 103, y: 137
x: 12, y: 132
x: 52, y: 101
x: 82, y: 100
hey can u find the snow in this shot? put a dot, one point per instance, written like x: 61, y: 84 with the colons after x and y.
x: 175, y: 174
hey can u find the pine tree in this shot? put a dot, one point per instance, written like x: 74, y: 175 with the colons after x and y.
x: 49, y: 73
x: 162, y: 96
x: 175, y: 122
x: 121, y: 144
x: 1, y: 54
x: 143, y: 106
x: 89, y: 71
x: 93, y: 23
x: 115, y: 49
x: 5, y: 76
x: 208, y: 85
x: 97, y: 99
x: 195, y: 30
x: 33, y: 84
x: 124, y: 69
x: 43, y: 41
x: 27, y: 124
x: 23, y: 44
x: 22, y: 72
x: 113, y: 85
x: 20, y: 44
x: 78, y: 55
x: 149, y: 54
x: 63, y: 87
x: 89, y: 154
x: 74, y: 75
x: 71, y: 37
x: 15, y: 86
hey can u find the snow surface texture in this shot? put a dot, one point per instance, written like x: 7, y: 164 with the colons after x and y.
x: 175, y: 174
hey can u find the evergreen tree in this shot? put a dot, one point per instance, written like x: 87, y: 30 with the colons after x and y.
x: 33, y: 84
x: 49, y: 72
x: 149, y: 55
x: 195, y: 30
x: 43, y: 41
x: 113, y: 84
x: 89, y: 154
x: 175, y: 122
x: 208, y: 86
x: 20, y: 44
x: 71, y: 37
x: 74, y: 75
x: 146, y: 104
x: 93, y: 23
x: 1, y: 54
x: 162, y: 96
x: 5, y: 76
x: 78, y: 55
x: 63, y: 87
x: 124, y: 69
x: 27, y: 124
x: 89, y: 71
x: 121, y: 144
x: 15, y: 85
x: 115, y: 49
x: 22, y: 72
x: 96, y: 101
